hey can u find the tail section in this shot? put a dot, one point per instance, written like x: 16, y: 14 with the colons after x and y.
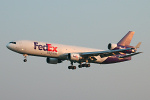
x: 125, y: 41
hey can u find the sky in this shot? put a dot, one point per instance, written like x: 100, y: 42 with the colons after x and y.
x: 86, y: 23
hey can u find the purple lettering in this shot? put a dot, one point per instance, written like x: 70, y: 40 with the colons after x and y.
x: 45, y: 47
x: 40, y: 47
x: 35, y: 44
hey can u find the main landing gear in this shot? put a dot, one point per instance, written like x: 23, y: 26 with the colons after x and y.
x: 84, y: 65
x: 80, y: 66
x: 72, y: 67
x: 25, y: 57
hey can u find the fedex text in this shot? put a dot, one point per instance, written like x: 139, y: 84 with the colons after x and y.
x: 47, y: 47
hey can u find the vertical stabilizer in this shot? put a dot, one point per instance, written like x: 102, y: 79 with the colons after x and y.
x: 125, y: 41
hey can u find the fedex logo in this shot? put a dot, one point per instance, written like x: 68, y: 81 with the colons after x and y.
x: 47, y: 47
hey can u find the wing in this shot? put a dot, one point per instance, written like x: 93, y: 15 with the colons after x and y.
x: 104, y: 53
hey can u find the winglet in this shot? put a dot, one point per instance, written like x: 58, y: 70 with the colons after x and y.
x: 125, y: 41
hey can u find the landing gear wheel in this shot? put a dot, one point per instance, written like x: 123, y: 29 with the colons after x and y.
x: 25, y: 60
x: 87, y: 65
x: 69, y: 67
x: 72, y: 67
x: 80, y: 66
x: 84, y: 65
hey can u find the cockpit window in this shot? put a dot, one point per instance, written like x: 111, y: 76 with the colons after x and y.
x: 13, y: 42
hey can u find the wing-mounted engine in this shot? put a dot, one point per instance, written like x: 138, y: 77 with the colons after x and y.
x: 112, y: 46
x: 53, y: 60
x: 74, y: 57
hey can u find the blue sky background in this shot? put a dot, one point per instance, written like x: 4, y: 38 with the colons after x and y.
x: 87, y: 23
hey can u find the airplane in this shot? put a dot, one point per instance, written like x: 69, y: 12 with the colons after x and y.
x: 57, y: 53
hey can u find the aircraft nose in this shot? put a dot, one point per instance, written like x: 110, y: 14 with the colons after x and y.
x: 8, y: 46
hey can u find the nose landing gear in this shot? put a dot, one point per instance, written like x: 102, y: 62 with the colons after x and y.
x: 25, y: 60
x: 25, y: 57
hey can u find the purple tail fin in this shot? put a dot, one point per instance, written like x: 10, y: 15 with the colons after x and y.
x: 125, y: 41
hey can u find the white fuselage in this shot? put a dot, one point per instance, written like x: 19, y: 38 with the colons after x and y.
x: 52, y: 50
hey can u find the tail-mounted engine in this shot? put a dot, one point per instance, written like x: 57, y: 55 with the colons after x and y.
x: 112, y: 46
x: 53, y: 60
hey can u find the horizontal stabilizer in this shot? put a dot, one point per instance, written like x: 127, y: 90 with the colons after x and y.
x: 130, y: 55
x: 138, y: 45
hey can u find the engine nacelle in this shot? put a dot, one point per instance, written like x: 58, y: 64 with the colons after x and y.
x: 53, y: 60
x: 112, y: 46
x: 74, y: 57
